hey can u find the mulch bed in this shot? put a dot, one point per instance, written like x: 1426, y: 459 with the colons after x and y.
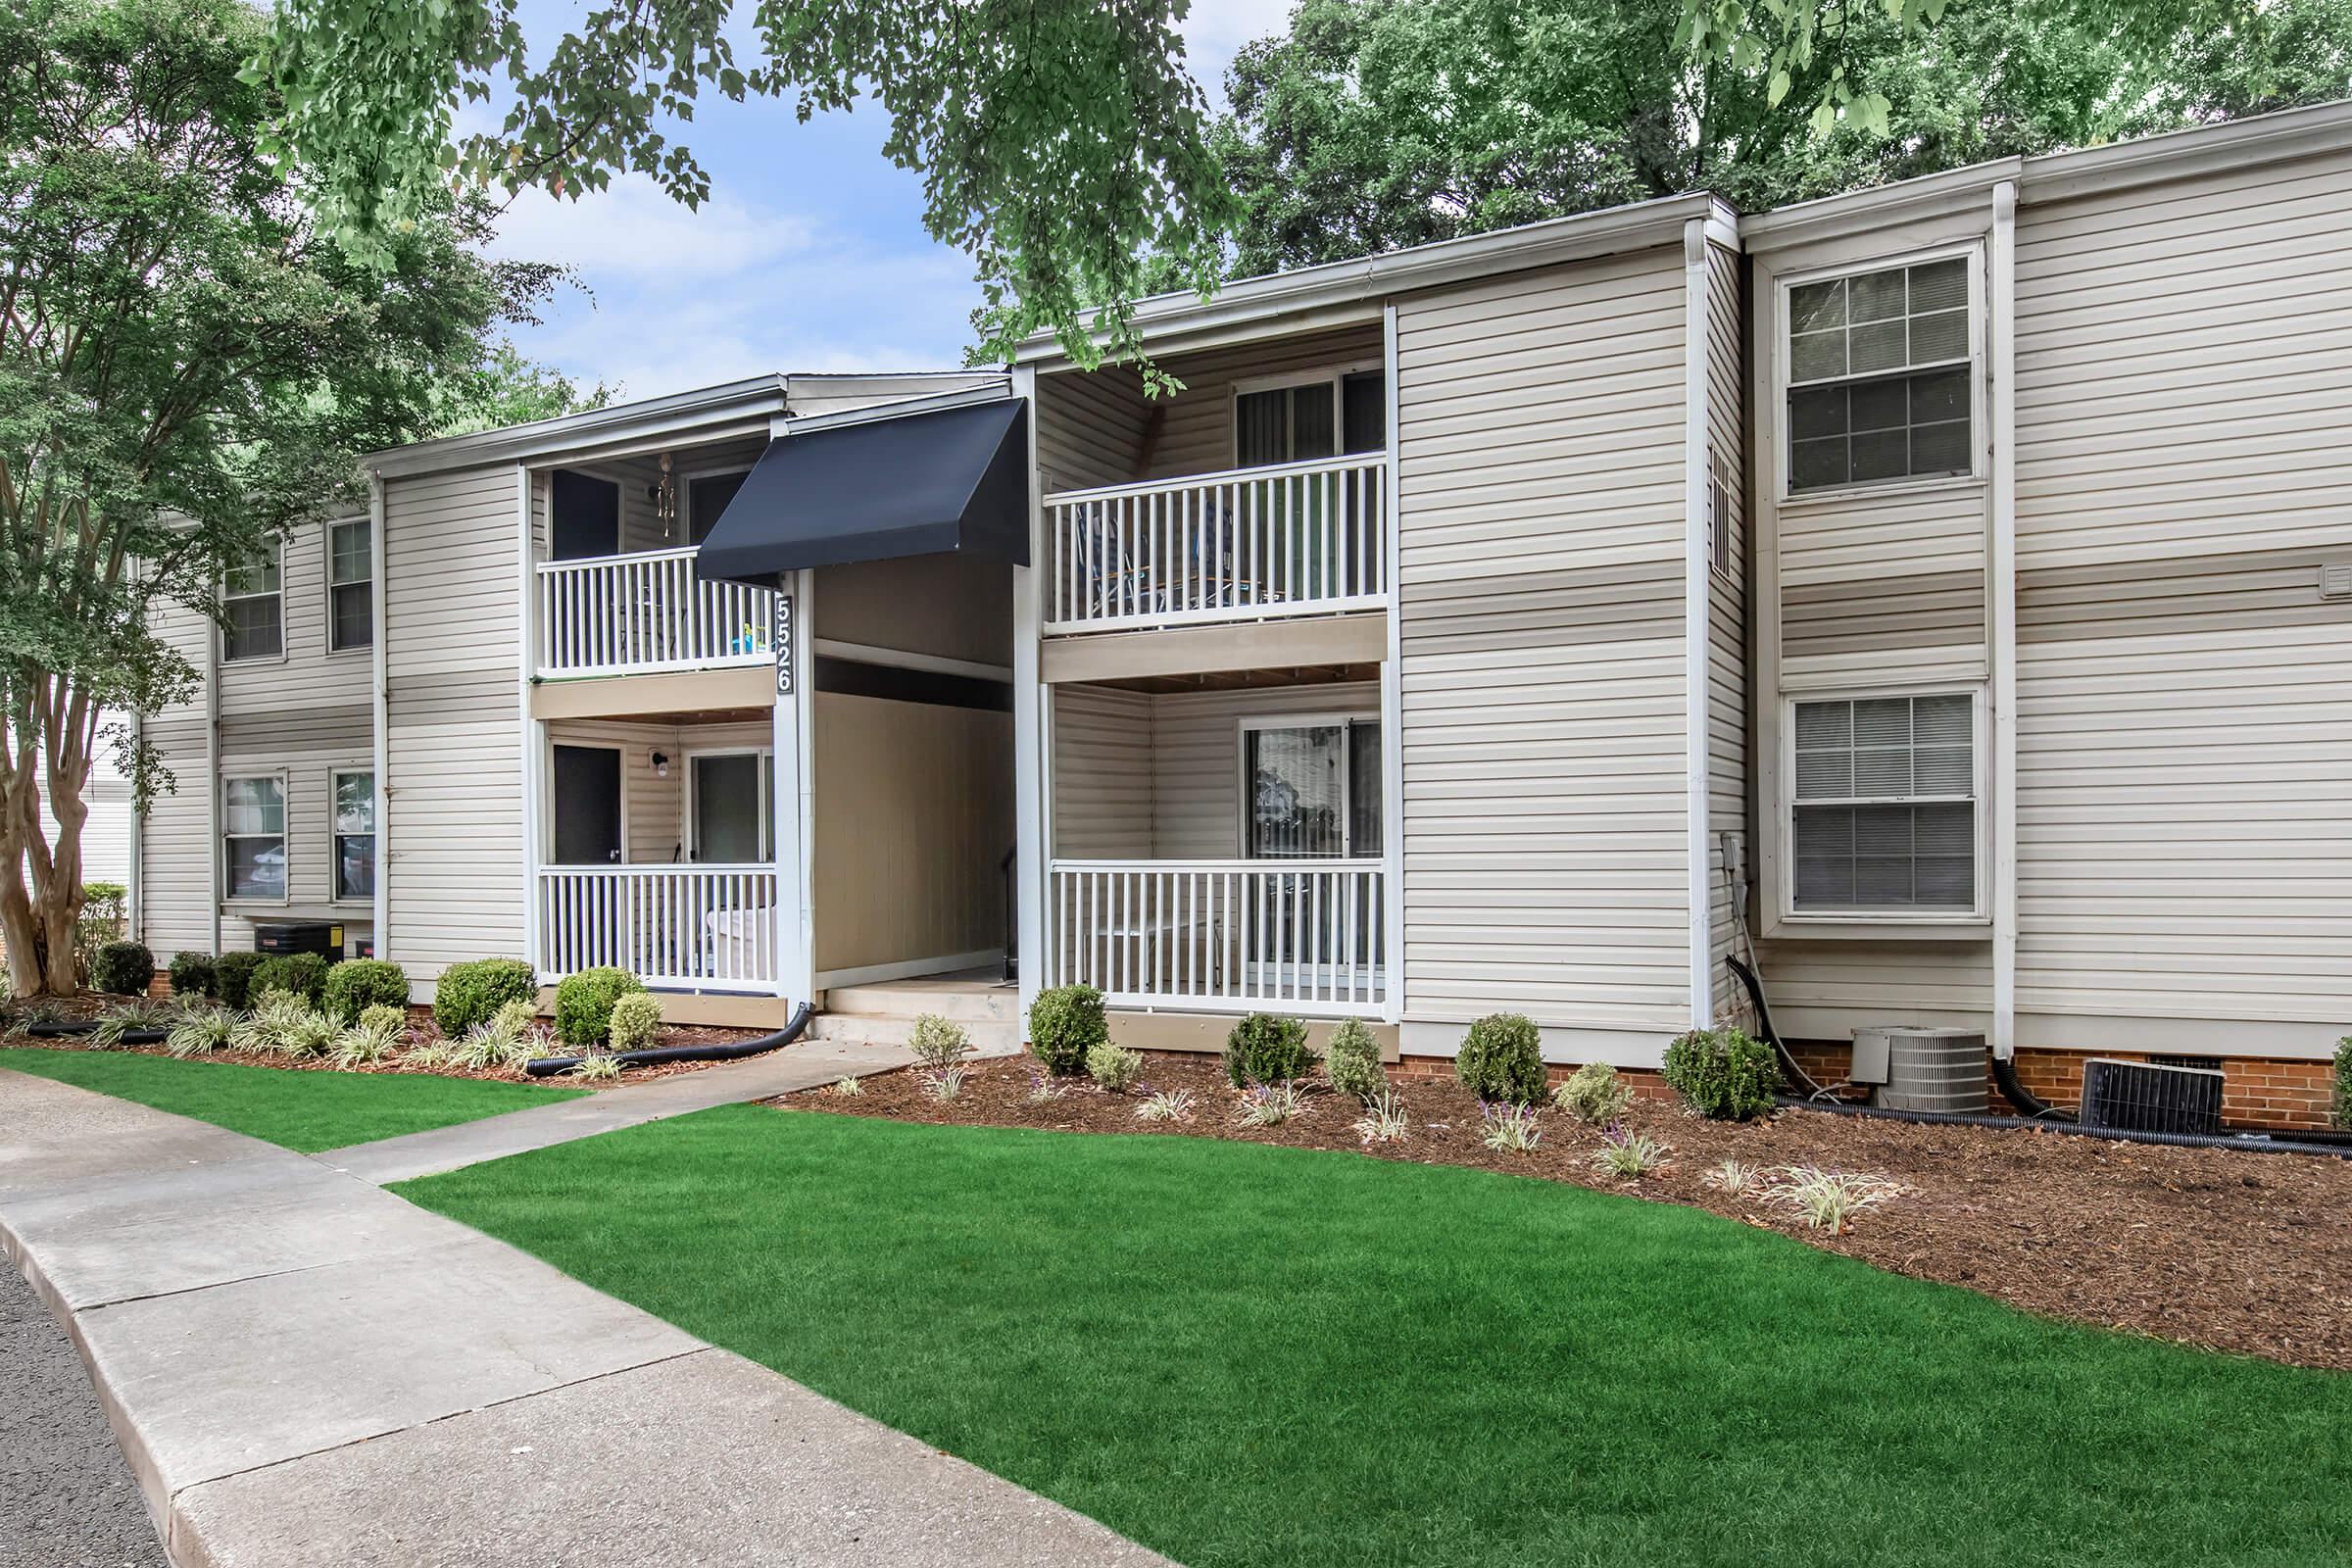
x: 2228, y: 1250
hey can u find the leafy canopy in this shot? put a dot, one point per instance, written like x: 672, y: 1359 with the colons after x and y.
x: 1062, y: 144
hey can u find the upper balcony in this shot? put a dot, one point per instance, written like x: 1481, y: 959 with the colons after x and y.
x: 1238, y: 545
x: 644, y: 614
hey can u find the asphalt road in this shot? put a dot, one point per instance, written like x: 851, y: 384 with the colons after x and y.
x: 67, y: 1499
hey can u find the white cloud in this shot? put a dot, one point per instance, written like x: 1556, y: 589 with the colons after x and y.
x: 1215, y: 30
x: 636, y: 229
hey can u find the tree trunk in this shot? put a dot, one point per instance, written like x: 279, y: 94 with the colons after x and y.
x: 41, y: 894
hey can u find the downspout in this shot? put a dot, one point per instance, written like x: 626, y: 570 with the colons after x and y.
x: 212, y: 781
x: 134, y: 914
x: 2001, y: 630
x: 380, y: 717
x: 527, y: 732
x: 1391, y: 690
x: 1696, y: 582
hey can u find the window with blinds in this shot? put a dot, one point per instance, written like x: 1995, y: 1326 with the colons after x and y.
x: 1885, y: 815
x: 1880, y: 377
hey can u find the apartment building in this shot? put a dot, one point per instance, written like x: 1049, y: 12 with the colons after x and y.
x: 1941, y: 594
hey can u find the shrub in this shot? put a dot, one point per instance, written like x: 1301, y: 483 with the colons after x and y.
x: 1511, y: 1129
x: 1384, y: 1119
x: 848, y: 1088
x: 468, y: 994
x: 297, y: 974
x: 1114, y: 1067
x: 372, y: 1037
x: 943, y: 1084
x: 595, y: 1065
x: 636, y: 1019
x: 104, y: 907
x: 1169, y: 1105
x: 1352, y: 1061
x: 1265, y: 1048
x: 584, y: 1005
x: 939, y: 1043
x: 1828, y: 1199
x: 139, y: 1016
x: 1594, y: 1093
x: 1724, y: 1074
x: 1267, y: 1104
x: 1066, y: 1025
x: 2343, y: 1082
x: 357, y: 984
x: 1629, y: 1155
x: 192, y: 975
x: 123, y: 968
x: 1502, y: 1059
x: 1734, y: 1176
x: 283, y: 1024
x: 504, y: 1038
x: 201, y: 1031
x: 232, y: 978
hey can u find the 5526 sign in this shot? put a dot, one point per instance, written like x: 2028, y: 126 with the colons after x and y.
x: 783, y: 645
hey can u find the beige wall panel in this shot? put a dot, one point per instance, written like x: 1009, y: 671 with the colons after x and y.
x: 1102, y: 773
x: 307, y: 673
x: 951, y: 607
x: 1726, y: 618
x: 915, y: 812
x: 1090, y: 428
x: 176, y: 858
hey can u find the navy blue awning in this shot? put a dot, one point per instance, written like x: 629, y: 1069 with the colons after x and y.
x: 946, y: 482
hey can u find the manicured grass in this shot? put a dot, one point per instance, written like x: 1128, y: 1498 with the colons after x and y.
x: 1249, y: 1355
x: 302, y: 1111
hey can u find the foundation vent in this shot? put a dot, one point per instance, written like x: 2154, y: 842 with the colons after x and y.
x: 2143, y: 1097
x: 1932, y: 1069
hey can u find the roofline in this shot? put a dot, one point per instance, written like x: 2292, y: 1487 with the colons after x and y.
x: 1333, y: 286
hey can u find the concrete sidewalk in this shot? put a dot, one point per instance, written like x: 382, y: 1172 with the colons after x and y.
x: 304, y: 1369
x: 517, y: 1131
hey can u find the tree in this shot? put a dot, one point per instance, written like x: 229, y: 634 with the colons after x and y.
x: 1377, y: 124
x: 1062, y: 142
x: 508, y: 389
x: 188, y: 367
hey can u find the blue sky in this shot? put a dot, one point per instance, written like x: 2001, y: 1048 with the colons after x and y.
x: 810, y: 254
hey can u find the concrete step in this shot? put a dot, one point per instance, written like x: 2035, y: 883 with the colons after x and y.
x: 990, y: 1037
x: 963, y: 1002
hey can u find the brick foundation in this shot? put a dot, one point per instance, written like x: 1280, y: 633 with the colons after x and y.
x: 2256, y: 1091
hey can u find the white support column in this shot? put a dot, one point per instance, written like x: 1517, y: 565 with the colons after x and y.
x: 1391, y: 699
x: 2002, y: 596
x: 531, y: 734
x: 1032, y: 732
x: 1698, y: 569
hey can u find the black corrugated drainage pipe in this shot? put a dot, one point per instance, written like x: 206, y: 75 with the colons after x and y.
x: 61, y: 1029
x: 715, y: 1051
x: 2256, y: 1142
x: 2028, y: 1104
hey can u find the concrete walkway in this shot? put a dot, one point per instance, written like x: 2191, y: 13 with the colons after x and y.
x: 517, y: 1131
x: 305, y: 1369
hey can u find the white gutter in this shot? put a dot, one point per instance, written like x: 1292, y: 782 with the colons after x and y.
x: 1391, y: 688
x: 654, y: 416
x: 997, y: 391
x: 526, y: 608
x: 1697, y: 585
x: 212, y: 781
x: 381, y: 718
x: 2001, y: 627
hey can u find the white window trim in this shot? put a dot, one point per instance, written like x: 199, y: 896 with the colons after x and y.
x: 1785, y: 912
x: 284, y: 836
x: 1335, y: 375
x: 768, y: 775
x: 1980, y: 400
x: 328, y: 585
x: 284, y: 632
x: 686, y: 477
x: 1243, y: 794
x: 335, y: 774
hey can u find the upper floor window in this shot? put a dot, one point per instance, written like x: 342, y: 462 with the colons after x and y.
x: 349, y: 580
x: 1320, y: 416
x: 1880, y: 377
x: 1885, y: 815
x: 254, y: 623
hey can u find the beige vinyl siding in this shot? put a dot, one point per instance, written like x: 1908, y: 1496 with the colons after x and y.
x: 1090, y: 428
x: 175, y: 852
x: 308, y: 675
x: 2184, y: 451
x: 1727, y: 622
x: 453, y: 804
x: 1101, y: 779
x: 1541, y: 540
x: 950, y: 607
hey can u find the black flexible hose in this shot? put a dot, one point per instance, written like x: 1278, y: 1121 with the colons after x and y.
x: 714, y: 1051
x: 2028, y: 1104
x: 1755, y: 994
x: 61, y: 1029
x: 2254, y: 1142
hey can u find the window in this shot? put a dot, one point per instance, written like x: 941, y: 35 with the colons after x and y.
x: 1886, y: 809
x: 1880, y: 371
x: 350, y: 574
x: 252, y: 613
x: 252, y: 831
x: 1313, y: 789
x: 1324, y: 417
x: 355, y: 835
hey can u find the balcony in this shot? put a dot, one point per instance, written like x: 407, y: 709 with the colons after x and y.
x: 1243, y: 545
x: 675, y: 927
x: 644, y: 614
x: 1302, y: 936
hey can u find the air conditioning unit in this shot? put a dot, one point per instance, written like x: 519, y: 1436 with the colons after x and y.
x: 1928, y: 1069
x: 2143, y: 1096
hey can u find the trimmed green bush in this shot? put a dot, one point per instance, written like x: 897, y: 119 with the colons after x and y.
x: 2343, y: 1082
x: 636, y: 1020
x: 1265, y: 1048
x: 192, y: 975
x: 1724, y: 1074
x: 122, y: 968
x: 1595, y: 1093
x: 357, y: 984
x: 468, y: 994
x: 584, y: 1005
x: 1351, y: 1060
x: 232, y: 978
x: 1502, y: 1059
x: 1114, y: 1067
x: 1065, y: 1022
x: 939, y: 1043
x: 297, y: 974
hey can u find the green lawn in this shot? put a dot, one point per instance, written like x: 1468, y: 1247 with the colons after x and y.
x: 302, y: 1111
x: 1249, y: 1356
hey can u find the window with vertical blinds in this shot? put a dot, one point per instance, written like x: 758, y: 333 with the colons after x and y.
x: 1880, y: 377
x: 1885, y: 811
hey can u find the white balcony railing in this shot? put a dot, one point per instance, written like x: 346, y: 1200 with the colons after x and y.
x: 675, y: 927
x: 645, y: 613
x: 1298, y: 538
x: 1306, y: 936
